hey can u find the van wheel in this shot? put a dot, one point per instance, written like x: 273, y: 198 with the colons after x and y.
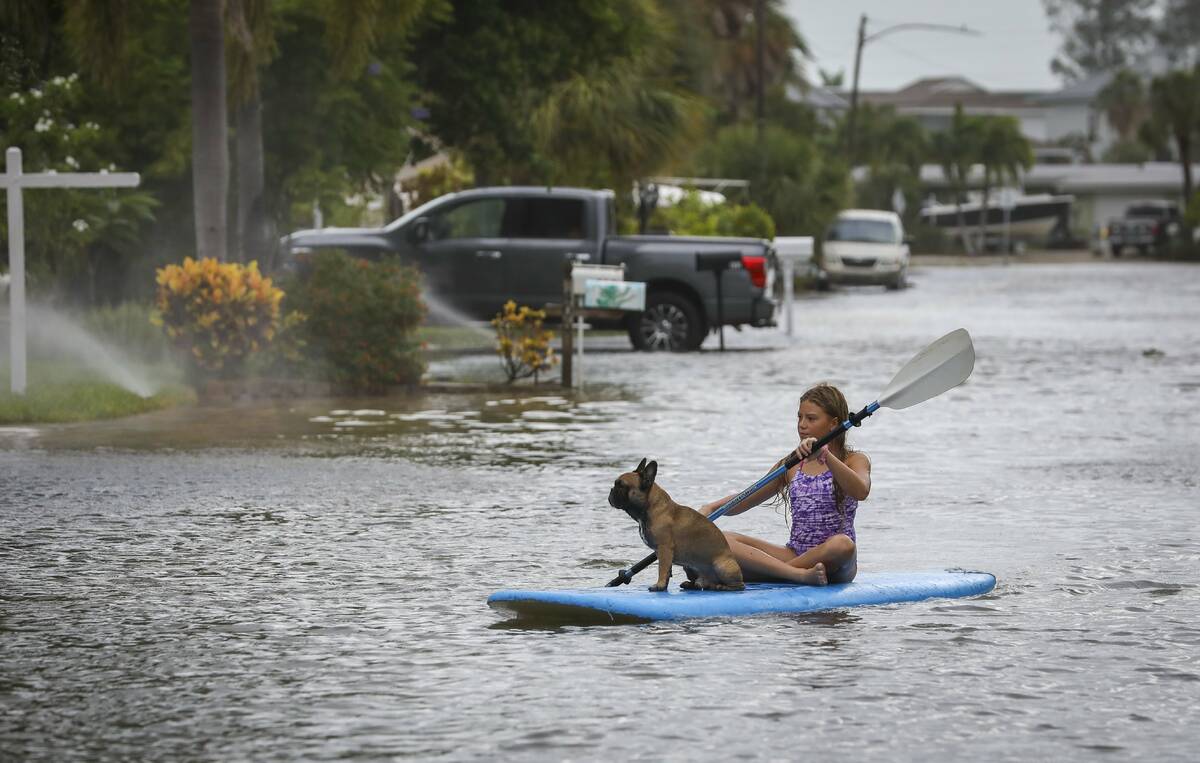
x: 670, y: 322
x: 899, y: 282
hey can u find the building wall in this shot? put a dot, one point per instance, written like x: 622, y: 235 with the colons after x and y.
x: 1032, y: 122
x: 1066, y: 119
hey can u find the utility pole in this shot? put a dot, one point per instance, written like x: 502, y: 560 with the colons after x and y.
x: 863, y: 39
x: 760, y: 20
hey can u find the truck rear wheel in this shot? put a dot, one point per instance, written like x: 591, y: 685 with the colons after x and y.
x: 670, y: 322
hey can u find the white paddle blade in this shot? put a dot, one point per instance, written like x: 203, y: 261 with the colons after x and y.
x: 943, y: 365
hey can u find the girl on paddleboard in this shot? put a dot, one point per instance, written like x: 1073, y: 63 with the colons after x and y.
x: 821, y: 494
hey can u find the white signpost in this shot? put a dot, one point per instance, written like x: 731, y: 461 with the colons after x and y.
x: 1007, y: 199
x: 14, y: 180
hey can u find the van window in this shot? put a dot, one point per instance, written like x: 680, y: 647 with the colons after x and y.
x: 869, y: 231
x: 537, y: 217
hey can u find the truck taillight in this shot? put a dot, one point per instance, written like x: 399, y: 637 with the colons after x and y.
x: 756, y: 266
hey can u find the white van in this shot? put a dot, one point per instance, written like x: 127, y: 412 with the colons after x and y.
x: 865, y: 246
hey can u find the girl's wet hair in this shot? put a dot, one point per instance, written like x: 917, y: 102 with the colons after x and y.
x: 831, y: 400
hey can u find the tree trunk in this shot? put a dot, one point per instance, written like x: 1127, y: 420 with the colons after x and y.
x: 1185, y: 158
x: 210, y: 160
x: 983, y: 211
x: 964, y: 239
x: 253, y: 231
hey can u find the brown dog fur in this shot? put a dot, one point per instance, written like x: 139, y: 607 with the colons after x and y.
x: 680, y: 535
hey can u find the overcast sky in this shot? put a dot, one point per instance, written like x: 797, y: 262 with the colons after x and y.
x: 1013, y: 50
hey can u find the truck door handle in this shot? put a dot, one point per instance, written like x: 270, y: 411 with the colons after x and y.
x: 490, y: 254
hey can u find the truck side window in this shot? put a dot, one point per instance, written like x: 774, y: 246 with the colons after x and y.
x: 544, y: 218
x: 474, y: 219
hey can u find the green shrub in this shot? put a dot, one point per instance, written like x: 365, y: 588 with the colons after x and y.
x: 362, y: 318
x: 693, y: 217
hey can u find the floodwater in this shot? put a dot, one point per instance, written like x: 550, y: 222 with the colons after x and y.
x: 309, y: 581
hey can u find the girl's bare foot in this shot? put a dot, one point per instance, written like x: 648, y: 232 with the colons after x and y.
x: 814, y: 575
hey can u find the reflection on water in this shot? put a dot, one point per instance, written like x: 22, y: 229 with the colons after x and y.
x: 307, y: 580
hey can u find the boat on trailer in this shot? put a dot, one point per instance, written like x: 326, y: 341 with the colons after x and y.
x: 1032, y: 216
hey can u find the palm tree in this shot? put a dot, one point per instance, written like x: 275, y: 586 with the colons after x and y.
x: 97, y: 33
x: 956, y: 150
x: 1004, y: 152
x: 210, y: 157
x: 1175, y: 109
x: 351, y: 31
x: 614, y: 124
x: 893, y: 148
x: 251, y: 46
x: 735, y: 56
x: 1123, y: 101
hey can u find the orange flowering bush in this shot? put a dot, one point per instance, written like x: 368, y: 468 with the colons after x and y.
x: 523, y: 346
x: 219, y: 313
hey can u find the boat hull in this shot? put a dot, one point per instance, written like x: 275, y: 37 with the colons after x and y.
x: 1031, y: 217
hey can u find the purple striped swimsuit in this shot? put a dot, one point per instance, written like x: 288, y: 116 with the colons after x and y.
x: 815, y: 517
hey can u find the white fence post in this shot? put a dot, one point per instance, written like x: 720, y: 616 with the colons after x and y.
x: 14, y: 180
x: 16, y: 269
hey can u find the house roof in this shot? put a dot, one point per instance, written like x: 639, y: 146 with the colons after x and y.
x: 1083, y: 91
x: 1151, y: 177
x: 1081, y: 178
x: 947, y: 92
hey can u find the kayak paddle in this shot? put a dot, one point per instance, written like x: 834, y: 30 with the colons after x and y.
x: 941, y: 366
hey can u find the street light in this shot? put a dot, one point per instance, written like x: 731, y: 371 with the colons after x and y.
x: 863, y: 39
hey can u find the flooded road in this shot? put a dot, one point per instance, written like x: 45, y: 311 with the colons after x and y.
x: 308, y: 581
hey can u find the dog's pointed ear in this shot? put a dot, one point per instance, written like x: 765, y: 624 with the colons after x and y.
x: 648, y: 475
x: 641, y: 466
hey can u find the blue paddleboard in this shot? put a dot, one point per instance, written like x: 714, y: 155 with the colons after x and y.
x: 634, y: 602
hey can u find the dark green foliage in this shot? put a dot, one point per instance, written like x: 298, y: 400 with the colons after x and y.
x: 692, y: 217
x: 489, y: 68
x: 798, y: 186
x: 330, y: 132
x: 892, y: 148
x: 1100, y: 35
x: 70, y: 234
x: 361, y: 320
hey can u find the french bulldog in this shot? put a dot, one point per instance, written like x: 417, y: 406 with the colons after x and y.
x: 680, y: 535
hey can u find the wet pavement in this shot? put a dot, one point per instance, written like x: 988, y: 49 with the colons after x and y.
x: 307, y: 580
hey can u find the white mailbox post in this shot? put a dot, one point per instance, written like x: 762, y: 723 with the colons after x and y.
x: 601, y: 287
x: 793, y: 252
x: 14, y: 181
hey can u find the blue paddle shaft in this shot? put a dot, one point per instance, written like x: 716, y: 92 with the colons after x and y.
x: 625, y: 576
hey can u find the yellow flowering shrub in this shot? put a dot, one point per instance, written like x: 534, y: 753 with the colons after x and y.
x: 523, y: 346
x: 219, y: 313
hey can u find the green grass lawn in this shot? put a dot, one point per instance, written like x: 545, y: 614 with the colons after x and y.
x: 456, y: 337
x: 56, y: 393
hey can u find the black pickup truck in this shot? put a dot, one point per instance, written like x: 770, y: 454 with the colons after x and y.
x: 1147, y: 226
x: 477, y: 249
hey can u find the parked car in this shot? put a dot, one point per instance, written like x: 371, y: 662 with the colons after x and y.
x: 865, y: 246
x: 1147, y: 227
x: 477, y: 249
